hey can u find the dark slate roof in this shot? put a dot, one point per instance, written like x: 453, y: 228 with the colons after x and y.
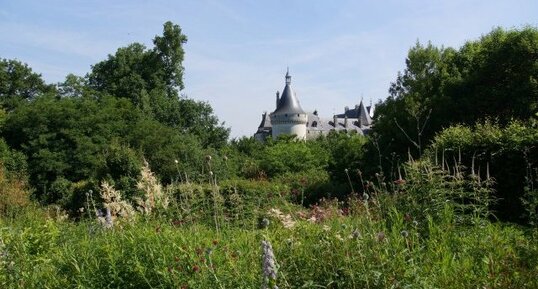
x: 288, y: 100
x: 266, y: 122
x: 360, y: 113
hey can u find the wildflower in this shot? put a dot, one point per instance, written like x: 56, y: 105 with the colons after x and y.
x: 108, y: 219
x: 269, y: 267
x: 404, y: 233
x: 326, y: 228
x: 154, y: 195
x: 286, y: 219
x: 346, y: 170
x: 225, y: 158
x: 81, y: 209
x: 176, y: 161
x: 380, y: 236
x: 339, y: 237
x: 365, y: 197
x: 208, y: 158
x: 415, y: 223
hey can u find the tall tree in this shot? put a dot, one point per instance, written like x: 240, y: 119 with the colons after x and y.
x: 19, y: 83
x: 493, y: 77
x: 152, y: 79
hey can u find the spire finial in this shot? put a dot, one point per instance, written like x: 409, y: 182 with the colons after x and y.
x: 288, y: 77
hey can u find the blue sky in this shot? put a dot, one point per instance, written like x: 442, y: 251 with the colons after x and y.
x: 237, y: 51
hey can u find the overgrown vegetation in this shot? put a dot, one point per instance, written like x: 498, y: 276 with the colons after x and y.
x: 117, y: 180
x: 433, y: 232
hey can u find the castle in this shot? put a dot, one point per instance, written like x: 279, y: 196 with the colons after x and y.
x: 289, y: 118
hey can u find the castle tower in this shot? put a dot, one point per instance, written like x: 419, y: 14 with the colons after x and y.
x: 288, y: 117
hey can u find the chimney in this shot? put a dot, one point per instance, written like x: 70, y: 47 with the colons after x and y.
x: 335, y: 121
x: 277, y: 98
x: 345, y: 122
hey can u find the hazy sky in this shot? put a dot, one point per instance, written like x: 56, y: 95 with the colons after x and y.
x: 237, y: 51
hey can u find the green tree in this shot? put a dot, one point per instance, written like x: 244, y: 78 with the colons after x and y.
x: 346, y: 152
x: 499, y: 77
x: 19, y: 83
x: 493, y: 77
x: 151, y: 79
x: 288, y: 155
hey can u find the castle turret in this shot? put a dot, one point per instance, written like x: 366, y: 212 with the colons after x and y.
x: 288, y: 117
x: 363, y: 115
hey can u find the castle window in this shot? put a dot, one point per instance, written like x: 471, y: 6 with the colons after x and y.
x: 314, y: 124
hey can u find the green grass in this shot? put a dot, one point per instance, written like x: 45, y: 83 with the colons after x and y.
x: 429, y: 231
x: 357, y: 251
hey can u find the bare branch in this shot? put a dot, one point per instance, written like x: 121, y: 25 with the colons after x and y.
x: 406, y: 135
x: 426, y: 121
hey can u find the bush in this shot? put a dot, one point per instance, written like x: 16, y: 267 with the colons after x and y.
x: 507, y: 154
x: 14, y: 194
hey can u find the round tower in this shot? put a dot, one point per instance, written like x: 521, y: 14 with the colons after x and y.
x: 288, y: 117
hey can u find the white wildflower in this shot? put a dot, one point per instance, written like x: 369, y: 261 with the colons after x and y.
x: 286, y: 219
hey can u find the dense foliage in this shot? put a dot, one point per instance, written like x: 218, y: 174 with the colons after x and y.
x: 201, y: 236
x: 116, y: 180
x: 101, y: 126
x: 493, y: 77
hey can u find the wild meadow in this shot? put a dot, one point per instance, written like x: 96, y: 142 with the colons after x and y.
x: 433, y: 231
x: 117, y: 180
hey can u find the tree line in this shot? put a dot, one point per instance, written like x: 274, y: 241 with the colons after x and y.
x: 473, y: 107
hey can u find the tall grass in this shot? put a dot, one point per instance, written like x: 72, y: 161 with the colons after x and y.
x: 430, y: 229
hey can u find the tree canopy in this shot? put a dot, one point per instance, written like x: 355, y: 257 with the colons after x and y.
x: 494, y: 77
x: 102, y: 125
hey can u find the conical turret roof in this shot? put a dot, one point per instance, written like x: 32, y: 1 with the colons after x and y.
x: 364, y: 116
x: 288, y: 103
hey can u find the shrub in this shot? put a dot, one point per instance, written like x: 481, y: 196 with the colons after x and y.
x: 14, y: 194
x: 508, y: 154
